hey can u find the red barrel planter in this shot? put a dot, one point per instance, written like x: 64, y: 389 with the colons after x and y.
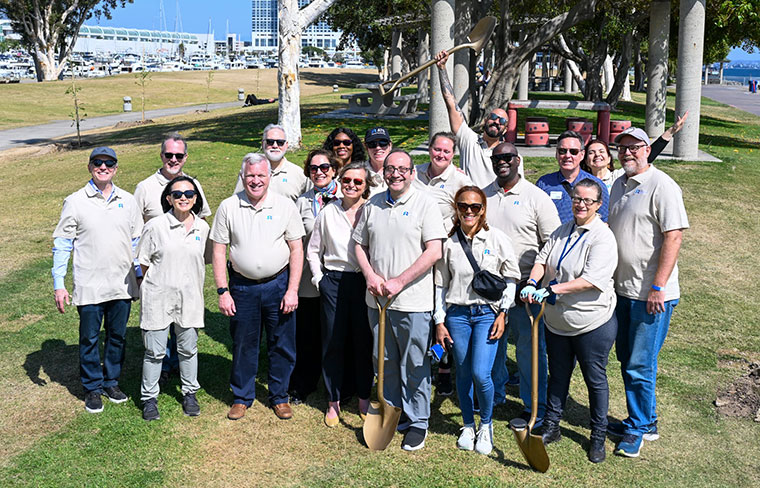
x: 618, y: 126
x: 536, y: 131
x: 536, y: 139
x: 582, y: 126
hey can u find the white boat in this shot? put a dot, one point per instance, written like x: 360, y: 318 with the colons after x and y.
x: 317, y: 62
x: 254, y: 62
x: 353, y: 64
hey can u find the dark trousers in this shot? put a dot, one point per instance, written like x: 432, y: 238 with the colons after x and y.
x: 258, y: 305
x: 308, y: 367
x: 113, y: 315
x: 591, y: 350
x: 346, y: 335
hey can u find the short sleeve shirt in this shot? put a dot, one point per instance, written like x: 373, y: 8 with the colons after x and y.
x: 526, y: 214
x: 589, y: 252
x: 475, y: 157
x: 557, y: 187
x: 148, y: 196
x: 102, y: 231
x: 172, y: 290
x: 642, y: 208
x: 396, y: 235
x: 442, y: 188
x: 493, y: 252
x: 287, y: 179
x: 257, y: 237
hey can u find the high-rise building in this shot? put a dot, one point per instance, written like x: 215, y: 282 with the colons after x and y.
x: 264, y: 26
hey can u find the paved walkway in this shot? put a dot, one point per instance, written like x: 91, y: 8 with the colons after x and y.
x: 45, y: 133
x: 734, y: 95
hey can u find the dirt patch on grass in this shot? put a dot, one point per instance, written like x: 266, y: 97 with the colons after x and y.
x: 742, y: 397
x: 19, y: 323
x: 136, y: 123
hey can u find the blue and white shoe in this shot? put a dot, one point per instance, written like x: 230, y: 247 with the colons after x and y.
x: 629, y: 446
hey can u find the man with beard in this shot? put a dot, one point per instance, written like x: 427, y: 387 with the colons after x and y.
x: 287, y: 179
x: 528, y: 216
x: 379, y: 145
x: 474, y: 150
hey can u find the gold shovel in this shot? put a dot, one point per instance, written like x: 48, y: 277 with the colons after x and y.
x: 532, y: 445
x: 478, y: 37
x: 382, y: 417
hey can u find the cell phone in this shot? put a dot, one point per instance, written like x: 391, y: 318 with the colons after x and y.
x: 447, y: 344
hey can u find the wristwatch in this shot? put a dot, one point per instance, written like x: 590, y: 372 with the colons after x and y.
x: 222, y: 291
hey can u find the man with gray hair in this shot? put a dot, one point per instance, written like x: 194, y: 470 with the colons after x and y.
x: 263, y: 231
x: 287, y: 179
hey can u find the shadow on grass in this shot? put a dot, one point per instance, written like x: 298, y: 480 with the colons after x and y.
x: 347, y: 80
x: 58, y: 361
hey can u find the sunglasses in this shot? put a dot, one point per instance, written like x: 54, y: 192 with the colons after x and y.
x: 355, y: 181
x: 179, y: 156
x: 176, y: 194
x: 496, y: 158
x: 110, y: 163
x: 473, y: 207
x: 324, y: 167
x: 275, y: 142
x: 573, y: 150
x: 344, y: 142
x: 501, y: 119
x: 376, y: 144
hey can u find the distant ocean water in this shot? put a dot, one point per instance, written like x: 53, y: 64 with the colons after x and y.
x: 741, y: 75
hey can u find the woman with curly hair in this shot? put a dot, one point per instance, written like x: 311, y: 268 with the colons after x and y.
x: 346, y: 146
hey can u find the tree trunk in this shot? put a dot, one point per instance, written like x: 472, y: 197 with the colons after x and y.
x: 423, y: 54
x: 608, y: 78
x: 621, y: 76
x: 638, y: 70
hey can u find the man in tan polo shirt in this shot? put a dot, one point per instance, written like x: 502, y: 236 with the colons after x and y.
x: 287, y: 179
x: 101, y: 225
x: 263, y: 231
x: 398, y: 240
x: 528, y: 216
x: 648, y: 217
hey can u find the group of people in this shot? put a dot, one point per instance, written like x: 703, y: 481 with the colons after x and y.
x: 463, y: 255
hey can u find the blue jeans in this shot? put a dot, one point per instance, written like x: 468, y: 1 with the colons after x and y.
x: 521, y: 327
x: 500, y: 373
x: 639, y: 340
x: 116, y: 313
x: 474, y: 353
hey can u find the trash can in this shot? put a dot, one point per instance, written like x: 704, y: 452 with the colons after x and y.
x: 335, y: 88
x: 127, y: 104
x: 241, y: 94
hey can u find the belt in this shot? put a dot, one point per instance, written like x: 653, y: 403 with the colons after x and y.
x: 239, y: 278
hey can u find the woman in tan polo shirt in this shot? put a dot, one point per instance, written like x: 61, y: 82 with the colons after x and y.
x: 173, y: 253
x: 576, y: 265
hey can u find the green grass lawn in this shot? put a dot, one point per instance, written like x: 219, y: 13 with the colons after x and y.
x: 47, y: 439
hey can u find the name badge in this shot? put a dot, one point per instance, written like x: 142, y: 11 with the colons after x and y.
x: 555, y: 195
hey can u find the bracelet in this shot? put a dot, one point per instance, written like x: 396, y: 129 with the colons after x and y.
x: 532, y: 281
x: 657, y: 288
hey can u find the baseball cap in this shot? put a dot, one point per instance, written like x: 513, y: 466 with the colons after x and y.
x: 103, y: 151
x: 636, y: 133
x: 377, y: 134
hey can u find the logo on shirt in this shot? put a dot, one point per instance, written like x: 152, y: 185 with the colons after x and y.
x: 121, y: 205
x: 638, y: 191
x: 284, y: 180
x: 487, y: 251
x: 197, y: 238
x: 516, y: 202
x: 405, y: 213
x: 442, y: 186
x: 269, y: 217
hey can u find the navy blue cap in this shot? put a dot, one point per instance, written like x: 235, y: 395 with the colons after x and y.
x: 103, y: 151
x: 377, y: 134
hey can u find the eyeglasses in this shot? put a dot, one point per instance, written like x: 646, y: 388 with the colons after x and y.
x: 473, y: 207
x: 501, y: 119
x: 179, y: 156
x: 275, y: 142
x: 176, y: 194
x: 324, y: 167
x: 345, y: 142
x: 564, y: 150
x: 496, y: 158
x: 587, y: 201
x: 402, y: 170
x: 376, y: 144
x: 110, y: 163
x: 355, y: 181
x: 633, y: 149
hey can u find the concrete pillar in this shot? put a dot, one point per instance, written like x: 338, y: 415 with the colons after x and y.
x: 575, y: 85
x: 568, y: 81
x: 461, y: 81
x: 522, y: 84
x: 707, y: 72
x: 721, y: 73
x: 396, y: 55
x: 657, y: 67
x: 423, y: 55
x: 442, y: 37
x: 691, y: 37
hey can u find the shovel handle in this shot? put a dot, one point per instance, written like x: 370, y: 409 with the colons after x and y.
x: 395, y: 83
x: 381, y: 347
x: 534, y: 363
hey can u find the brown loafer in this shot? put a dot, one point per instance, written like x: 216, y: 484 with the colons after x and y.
x: 283, y: 411
x: 237, y: 411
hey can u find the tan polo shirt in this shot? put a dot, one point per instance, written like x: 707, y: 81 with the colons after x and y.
x: 642, y: 208
x: 287, y: 180
x: 172, y: 290
x: 102, y: 231
x: 257, y: 237
x: 526, y: 214
x: 442, y: 188
x: 493, y: 252
x: 396, y: 236
x: 331, y: 245
x: 148, y: 196
x: 588, y: 252
x: 475, y: 157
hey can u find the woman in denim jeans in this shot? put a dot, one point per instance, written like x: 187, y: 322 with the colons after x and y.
x: 471, y: 322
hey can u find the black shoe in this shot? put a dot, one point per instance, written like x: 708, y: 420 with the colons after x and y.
x: 92, y: 402
x: 150, y: 410
x: 550, y: 432
x: 190, y: 405
x: 443, y: 386
x: 163, y: 380
x: 114, y: 394
x: 596, y: 451
x: 414, y: 439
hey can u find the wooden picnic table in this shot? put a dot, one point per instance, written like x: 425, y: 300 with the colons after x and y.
x: 601, y: 108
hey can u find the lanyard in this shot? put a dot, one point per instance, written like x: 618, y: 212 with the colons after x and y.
x: 565, y: 250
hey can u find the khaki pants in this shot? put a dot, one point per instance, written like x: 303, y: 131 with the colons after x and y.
x: 155, y: 350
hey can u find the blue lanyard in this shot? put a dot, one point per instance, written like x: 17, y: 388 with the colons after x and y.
x: 388, y: 198
x: 565, y: 250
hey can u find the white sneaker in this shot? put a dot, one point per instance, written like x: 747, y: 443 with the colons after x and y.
x: 484, y: 439
x: 466, y: 440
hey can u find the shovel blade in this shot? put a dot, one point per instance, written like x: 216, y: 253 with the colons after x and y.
x: 380, y: 425
x: 531, y: 446
x: 480, y: 34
